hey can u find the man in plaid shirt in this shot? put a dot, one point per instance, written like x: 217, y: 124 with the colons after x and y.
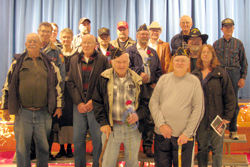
x: 231, y: 54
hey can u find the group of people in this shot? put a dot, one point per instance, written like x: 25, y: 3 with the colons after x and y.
x: 123, y: 91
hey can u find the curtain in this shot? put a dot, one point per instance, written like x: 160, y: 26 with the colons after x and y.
x: 21, y: 17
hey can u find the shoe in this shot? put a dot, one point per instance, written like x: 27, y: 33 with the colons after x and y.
x: 148, y: 152
x: 234, y: 136
x: 32, y: 156
x: 60, y: 154
x: 69, y: 153
x: 52, y: 158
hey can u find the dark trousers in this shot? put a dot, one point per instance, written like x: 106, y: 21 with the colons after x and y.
x: 147, y: 135
x: 235, y: 77
x: 166, y: 152
x: 148, y: 132
x: 208, y: 138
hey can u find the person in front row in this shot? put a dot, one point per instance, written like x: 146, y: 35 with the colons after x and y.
x: 32, y: 92
x: 118, y: 89
x: 219, y: 100
x: 177, y: 108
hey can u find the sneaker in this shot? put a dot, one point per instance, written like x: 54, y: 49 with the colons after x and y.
x: 234, y: 136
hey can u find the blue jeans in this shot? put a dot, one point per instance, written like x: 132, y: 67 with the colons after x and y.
x: 205, y: 138
x: 80, y: 123
x: 235, y: 77
x: 131, y: 140
x: 30, y: 122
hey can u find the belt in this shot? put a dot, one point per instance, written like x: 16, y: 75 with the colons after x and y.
x: 118, y: 122
x: 230, y: 68
x: 34, y: 108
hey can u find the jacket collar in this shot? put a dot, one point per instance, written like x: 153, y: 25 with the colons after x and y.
x: 109, y: 73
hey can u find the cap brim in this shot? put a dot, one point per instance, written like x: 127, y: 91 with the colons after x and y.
x: 204, y: 37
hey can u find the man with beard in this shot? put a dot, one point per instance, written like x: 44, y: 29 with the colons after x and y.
x: 146, y: 63
x: 195, y: 41
x: 123, y: 41
x: 177, y: 41
x: 85, y: 28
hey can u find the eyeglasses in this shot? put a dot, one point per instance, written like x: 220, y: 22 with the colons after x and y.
x: 187, y: 23
x: 44, y: 32
x: 34, y: 41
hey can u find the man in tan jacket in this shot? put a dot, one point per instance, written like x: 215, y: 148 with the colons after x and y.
x: 162, y: 48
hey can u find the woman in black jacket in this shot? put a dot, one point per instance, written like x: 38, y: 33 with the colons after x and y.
x: 219, y: 100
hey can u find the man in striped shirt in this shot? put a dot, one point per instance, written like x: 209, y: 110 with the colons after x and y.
x: 231, y: 54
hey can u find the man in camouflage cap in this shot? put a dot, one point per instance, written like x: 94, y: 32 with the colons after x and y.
x: 104, y: 47
x: 231, y: 54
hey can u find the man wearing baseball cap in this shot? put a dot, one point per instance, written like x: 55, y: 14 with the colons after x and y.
x: 114, y: 89
x: 123, y: 41
x: 104, y: 47
x: 195, y: 40
x: 85, y: 28
x: 231, y: 54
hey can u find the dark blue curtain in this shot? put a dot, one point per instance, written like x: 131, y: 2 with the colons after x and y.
x: 20, y: 17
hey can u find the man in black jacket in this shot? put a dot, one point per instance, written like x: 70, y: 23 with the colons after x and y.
x: 120, y: 102
x: 84, y: 70
x: 32, y: 92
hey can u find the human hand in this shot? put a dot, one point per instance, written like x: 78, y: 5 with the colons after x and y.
x: 225, y: 121
x: 58, y: 113
x: 6, y: 115
x: 183, y: 139
x: 89, y: 106
x: 144, y: 77
x: 106, y: 129
x: 241, y: 83
x: 81, y: 108
x: 133, y: 118
x: 166, y: 131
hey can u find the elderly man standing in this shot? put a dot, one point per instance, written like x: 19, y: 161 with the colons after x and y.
x: 195, y: 41
x: 177, y: 108
x: 123, y: 41
x: 114, y: 89
x: 145, y: 62
x: 162, y: 48
x: 177, y: 41
x: 84, y: 26
x: 32, y: 92
x: 231, y: 54
x: 104, y: 47
x: 84, y: 70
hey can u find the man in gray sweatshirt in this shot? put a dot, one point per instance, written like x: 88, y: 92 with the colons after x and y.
x: 177, y: 108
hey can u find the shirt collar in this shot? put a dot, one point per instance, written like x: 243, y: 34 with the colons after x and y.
x: 138, y: 46
x: 28, y: 57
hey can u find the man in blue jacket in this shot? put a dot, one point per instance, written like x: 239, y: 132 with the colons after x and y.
x: 146, y: 63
